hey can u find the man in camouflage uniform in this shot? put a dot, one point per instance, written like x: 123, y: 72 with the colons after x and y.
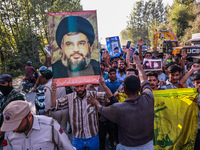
x: 9, y: 95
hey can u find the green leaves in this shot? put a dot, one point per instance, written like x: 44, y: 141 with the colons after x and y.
x: 143, y: 17
x: 180, y: 17
x: 23, y: 30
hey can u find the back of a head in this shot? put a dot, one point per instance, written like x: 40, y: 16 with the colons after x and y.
x: 131, y: 84
x: 48, y: 74
x: 132, y: 69
x: 174, y: 68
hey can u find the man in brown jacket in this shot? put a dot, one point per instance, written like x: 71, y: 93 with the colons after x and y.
x: 134, y: 116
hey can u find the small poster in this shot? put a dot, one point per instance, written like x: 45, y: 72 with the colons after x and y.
x: 152, y: 64
x: 114, y: 46
x: 74, y: 46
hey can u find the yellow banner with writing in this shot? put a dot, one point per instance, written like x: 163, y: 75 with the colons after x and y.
x: 175, y: 118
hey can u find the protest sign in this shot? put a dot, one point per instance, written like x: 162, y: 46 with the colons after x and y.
x: 114, y: 46
x: 152, y: 64
x: 74, y: 45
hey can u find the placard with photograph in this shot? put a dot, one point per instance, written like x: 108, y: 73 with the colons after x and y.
x: 114, y: 46
x: 74, y: 46
x: 152, y: 64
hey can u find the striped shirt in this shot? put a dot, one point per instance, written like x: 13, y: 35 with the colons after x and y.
x: 169, y: 85
x: 98, y: 88
x: 83, y: 115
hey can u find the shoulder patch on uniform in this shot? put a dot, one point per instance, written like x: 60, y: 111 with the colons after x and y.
x: 4, y: 143
x: 45, y: 90
x: 61, y: 130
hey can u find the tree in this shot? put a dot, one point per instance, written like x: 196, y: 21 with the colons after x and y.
x: 142, y: 19
x: 23, y: 31
x: 194, y: 24
x: 185, y: 2
x: 180, y: 17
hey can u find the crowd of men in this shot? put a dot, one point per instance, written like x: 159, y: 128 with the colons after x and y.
x: 95, y: 112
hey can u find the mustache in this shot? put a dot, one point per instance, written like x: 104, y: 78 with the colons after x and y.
x: 75, y: 53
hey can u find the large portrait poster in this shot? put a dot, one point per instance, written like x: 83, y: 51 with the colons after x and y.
x: 73, y: 41
x: 114, y: 46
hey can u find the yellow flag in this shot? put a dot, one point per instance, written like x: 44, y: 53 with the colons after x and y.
x: 175, y: 118
x: 121, y: 97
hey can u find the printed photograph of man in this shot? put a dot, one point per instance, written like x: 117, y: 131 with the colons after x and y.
x: 75, y: 36
x: 157, y: 65
x: 148, y: 64
x: 114, y: 47
x: 152, y: 64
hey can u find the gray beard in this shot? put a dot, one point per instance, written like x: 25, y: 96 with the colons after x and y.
x: 77, y: 66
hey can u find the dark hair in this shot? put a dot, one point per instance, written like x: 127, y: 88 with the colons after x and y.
x: 197, y: 77
x: 122, y: 61
x: 169, y: 64
x: 174, y: 68
x: 160, y: 55
x: 133, y: 69
x: 189, y: 64
x: 112, y: 70
x: 150, y: 73
x: 190, y: 59
x: 131, y: 84
x: 114, y: 61
x: 148, y: 53
x: 102, y: 64
x: 178, y: 55
x: 136, y: 53
x: 48, y: 74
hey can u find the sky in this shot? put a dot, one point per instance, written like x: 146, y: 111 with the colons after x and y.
x: 112, y: 15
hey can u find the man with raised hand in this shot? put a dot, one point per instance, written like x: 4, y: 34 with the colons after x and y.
x: 135, y: 116
x: 83, y: 116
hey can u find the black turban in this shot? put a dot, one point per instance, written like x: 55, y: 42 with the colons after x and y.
x: 74, y: 24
